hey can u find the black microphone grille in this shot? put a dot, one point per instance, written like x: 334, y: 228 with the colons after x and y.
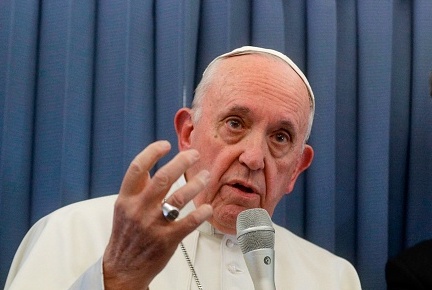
x: 255, y: 230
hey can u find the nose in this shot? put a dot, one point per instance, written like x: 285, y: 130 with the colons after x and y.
x: 253, y: 153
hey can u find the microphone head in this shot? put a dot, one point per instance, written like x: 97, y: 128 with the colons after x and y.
x: 255, y: 230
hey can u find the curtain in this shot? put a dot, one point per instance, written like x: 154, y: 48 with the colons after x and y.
x: 85, y: 85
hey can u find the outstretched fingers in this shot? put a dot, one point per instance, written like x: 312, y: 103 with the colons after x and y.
x: 190, y: 222
x: 142, y: 240
x: 185, y: 194
x: 163, y: 179
x: 137, y: 175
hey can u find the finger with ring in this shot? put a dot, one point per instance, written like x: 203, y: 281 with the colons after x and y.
x: 169, y: 211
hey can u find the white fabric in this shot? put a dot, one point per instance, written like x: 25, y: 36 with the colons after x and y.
x: 64, y: 249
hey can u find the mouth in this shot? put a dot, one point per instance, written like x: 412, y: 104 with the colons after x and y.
x: 243, y: 187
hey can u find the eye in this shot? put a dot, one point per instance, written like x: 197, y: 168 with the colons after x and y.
x: 282, y: 137
x: 281, y: 143
x: 234, y: 124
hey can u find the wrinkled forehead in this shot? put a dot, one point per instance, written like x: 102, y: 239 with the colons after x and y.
x: 255, y: 50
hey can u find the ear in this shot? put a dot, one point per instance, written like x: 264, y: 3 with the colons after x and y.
x: 303, y: 164
x: 184, y: 127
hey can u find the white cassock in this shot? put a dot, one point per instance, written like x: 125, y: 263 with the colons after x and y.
x: 64, y: 251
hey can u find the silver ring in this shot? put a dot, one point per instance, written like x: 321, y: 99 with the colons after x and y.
x: 169, y: 211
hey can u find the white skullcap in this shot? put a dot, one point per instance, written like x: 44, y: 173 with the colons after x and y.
x: 254, y: 49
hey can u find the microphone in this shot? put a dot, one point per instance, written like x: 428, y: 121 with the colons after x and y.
x: 255, y: 235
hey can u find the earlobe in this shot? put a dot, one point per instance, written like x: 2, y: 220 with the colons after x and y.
x: 184, y: 127
x: 306, y: 158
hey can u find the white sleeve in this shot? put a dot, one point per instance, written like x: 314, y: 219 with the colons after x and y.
x: 90, y: 279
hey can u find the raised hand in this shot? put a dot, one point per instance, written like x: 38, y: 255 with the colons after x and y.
x: 142, y: 239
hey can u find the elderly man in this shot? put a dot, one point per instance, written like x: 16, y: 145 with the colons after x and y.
x: 242, y: 146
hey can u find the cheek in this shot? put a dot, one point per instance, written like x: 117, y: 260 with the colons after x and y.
x: 209, y: 145
x: 283, y: 173
x: 275, y: 191
x: 278, y: 182
x: 203, y: 138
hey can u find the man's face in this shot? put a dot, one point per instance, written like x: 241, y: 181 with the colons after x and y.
x: 250, y: 137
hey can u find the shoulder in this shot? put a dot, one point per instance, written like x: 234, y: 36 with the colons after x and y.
x: 417, y: 251
x: 287, y: 240
x: 75, y: 235
x: 91, y: 207
x: 418, y: 255
x: 412, y: 266
x: 86, y: 218
x: 304, y: 263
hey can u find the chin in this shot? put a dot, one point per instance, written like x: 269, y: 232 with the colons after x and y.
x: 226, y: 220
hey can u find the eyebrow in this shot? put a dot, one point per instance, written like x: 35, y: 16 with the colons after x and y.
x: 239, y: 110
x: 288, y: 124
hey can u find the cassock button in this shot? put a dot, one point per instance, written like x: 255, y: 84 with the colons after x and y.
x: 233, y: 269
x: 229, y: 243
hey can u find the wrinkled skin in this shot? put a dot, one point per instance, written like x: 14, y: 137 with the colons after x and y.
x: 142, y: 241
x: 250, y: 137
x: 245, y: 151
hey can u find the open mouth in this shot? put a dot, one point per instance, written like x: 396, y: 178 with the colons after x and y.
x: 243, y: 188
